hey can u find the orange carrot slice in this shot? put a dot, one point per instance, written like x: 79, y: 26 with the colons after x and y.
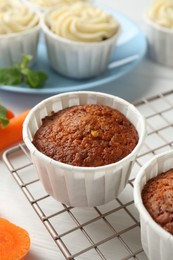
x: 14, y: 241
x: 12, y: 133
x: 9, y: 114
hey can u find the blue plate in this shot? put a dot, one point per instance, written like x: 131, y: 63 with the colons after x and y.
x: 131, y: 42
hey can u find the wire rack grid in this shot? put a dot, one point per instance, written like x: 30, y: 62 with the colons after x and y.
x: 106, y: 232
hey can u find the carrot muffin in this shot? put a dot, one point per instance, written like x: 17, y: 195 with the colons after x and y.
x: 82, y: 22
x: 86, y: 135
x: 19, y: 32
x: 159, y: 31
x: 10, y: 20
x: 80, y: 39
x: 161, y: 13
x: 43, y: 5
x: 157, y: 197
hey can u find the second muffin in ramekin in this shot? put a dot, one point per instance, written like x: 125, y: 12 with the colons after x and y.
x: 80, y: 39
x: 83, y: 185
x: 153, y: 196
x: 19, y: 32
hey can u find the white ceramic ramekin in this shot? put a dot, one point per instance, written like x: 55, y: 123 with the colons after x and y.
x: 74, y: 59
x: 82, y: 186
x: 160, y: 42
x: 14, y: 45
x: 157, y: 243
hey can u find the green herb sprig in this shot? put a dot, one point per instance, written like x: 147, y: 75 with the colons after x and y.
x: 4, y: 121
x: 20, y: 73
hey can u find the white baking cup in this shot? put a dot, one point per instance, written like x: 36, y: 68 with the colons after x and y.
x: 160, y: 42
x: 157, y: 243
x: 14, y: 45
x: 74, y: 59
x: 82, y: 186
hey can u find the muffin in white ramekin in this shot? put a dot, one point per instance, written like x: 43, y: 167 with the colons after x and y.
x: 80, y: 39
x: 19, y: 32
x: 156, y: 241
x: 158, y: 22
x: 74, y: 185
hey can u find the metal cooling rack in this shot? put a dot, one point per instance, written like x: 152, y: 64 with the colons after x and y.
x: 107, y: 232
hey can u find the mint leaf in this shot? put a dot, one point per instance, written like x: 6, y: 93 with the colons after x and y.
x: 4, y: 121
x: 25, y: 61
x: 3, y: 111
x: 20, y: 73
x: 10, y: 76
x: 35, y: 78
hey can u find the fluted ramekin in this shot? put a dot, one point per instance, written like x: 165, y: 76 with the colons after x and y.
x: 157, y: 242
x: 82, y: 186
x: 14, y: 45
x: 160, y: 42
x: 78, y: 60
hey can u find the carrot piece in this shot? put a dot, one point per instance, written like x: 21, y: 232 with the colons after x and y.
x: 5, y: 115
x: 9, y: 114
x: 12, y: 133
x: 14, y: 241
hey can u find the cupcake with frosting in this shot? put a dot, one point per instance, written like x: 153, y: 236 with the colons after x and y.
x: 161, y: 13
x: 80, y: 39
x: 43, y: 5
x: 159, y: 31
x: 19, y: 32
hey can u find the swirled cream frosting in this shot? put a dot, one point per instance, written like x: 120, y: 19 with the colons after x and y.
x: 51, y: 3
x: 16, y: 17
x: 82, y: 22
x: 161, y: 12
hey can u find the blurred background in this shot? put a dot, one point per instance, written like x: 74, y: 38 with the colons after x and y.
x: 145, y: 80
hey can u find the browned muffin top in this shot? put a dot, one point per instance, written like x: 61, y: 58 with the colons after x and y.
x: 89, y: 135
x: 157, y: 197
